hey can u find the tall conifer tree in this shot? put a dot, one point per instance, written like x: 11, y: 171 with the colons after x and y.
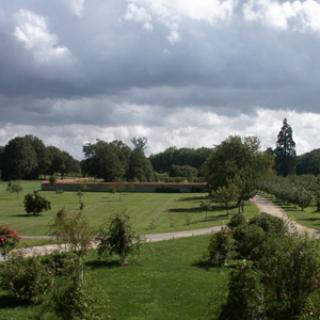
x: 285, y: 151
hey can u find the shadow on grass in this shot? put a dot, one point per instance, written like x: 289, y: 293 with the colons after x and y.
x: 185, y: 210
x: 198, y: 209
x: 9, y: 302
x: 25, y: 215
x: 99, y: 264
x: 193, y: 198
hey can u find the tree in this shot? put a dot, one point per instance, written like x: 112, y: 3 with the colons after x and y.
x: 238, y: 162
x: 285, y: 151
x: 118, y: 238
x: 14, y: 187
x: 246, y: 296
x: 140, y: 167
x: 19, y: 159
x: 109, y: 161
x: 185, y: 171
x: 163, y: 161
x: 35, y: 204
x: 226, y: 194
x: 220, y: 248
x: 74, y: 231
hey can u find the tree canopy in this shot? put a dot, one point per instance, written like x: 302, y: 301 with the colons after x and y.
x: 237, y: 162
x: 27, y: 157
x: 285, y: 151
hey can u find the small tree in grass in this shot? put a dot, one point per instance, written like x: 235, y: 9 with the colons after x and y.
x: 35, y: 204
x: 226, y: 194
x: 220, y: 248
x: 117, y: 238
x: 74, y: 231
x: 15, y: 187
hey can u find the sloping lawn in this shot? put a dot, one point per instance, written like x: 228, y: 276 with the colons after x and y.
x: 163, y: 282
x: 149, y: 212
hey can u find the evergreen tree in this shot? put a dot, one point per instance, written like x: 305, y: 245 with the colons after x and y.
x: 285, y: 151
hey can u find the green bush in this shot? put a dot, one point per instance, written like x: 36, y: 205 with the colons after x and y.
x: 118, y: 238
x: 35, y: 204
x: 26, y: 279
x: 52, y: 180
x: 248, y: 240
x: 220, y: 248
x: 236, y: 220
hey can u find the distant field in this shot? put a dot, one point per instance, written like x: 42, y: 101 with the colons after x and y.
x: 163, y: 282
x: 149, y: 212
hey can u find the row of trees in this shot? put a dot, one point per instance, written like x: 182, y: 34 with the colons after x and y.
x: 115, y: 161
x: 27, y: 158
x: 297, y: 190
x: 195, y: 158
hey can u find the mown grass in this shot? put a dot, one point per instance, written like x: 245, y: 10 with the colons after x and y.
x: 163, y: 282
x: 149, y: 212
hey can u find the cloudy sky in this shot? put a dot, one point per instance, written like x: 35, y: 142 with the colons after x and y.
x: 180, y: 72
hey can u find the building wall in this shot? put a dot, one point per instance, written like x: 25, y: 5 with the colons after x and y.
x: 127, y: 187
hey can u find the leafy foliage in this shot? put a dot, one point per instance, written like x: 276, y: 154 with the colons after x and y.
x: 26, y: 279
x: 34, y: 203
x: 239, y: 163
x: 14, y: 187
x: 8, y: 239
x: 246, y: 296
x: 285, y: 151
x: 220, y: 248
x: 117, y: 238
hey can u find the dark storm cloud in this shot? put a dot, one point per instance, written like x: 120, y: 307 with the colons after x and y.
x: 112, y: 64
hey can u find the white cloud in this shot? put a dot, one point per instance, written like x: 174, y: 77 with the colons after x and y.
x: 139, y: 15
x: 170, y: 13
x: 32, y: 31
x: 297, y: 15
x: 187, y: 127
x: 76, y: 6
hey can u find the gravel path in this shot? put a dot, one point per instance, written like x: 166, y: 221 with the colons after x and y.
x: 269, y: 207
x: 156, y: 237
x: 263, y: 204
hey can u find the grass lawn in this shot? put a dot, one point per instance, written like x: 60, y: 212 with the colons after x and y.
x: 163, y: 282
x: 149, y: 212
x: 309, y: 217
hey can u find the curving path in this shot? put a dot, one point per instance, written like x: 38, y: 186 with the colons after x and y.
x: 263, y: 204
x: 156, y: 237
x: 267, y: 206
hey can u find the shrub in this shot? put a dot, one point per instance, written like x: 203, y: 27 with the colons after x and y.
x: 248, y: 240
x: 117, y: 238
x: 220, y: 248
x: 246, y: 296
x: 236, y: 220
x: 59, y: 263
x: 26, y: 279
x: 14, y: 187
x: 52, y: 180
x: 8, y: 239
x: 270, y: 224
x: 35, y: 204
x: 74, y: 231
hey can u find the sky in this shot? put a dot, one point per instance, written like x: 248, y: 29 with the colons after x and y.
x: 182, y: 73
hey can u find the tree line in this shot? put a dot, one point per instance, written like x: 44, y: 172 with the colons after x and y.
x: 27, y: 158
